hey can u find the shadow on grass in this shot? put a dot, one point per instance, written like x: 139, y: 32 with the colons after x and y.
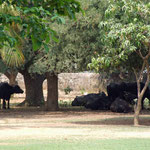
x: 40, y: 112
x: 145, y: 121
x: 69, y: 113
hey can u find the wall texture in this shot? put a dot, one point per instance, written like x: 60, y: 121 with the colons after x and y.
x: 80, y: 83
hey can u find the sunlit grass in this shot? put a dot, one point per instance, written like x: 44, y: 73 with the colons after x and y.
x: 67, y: 144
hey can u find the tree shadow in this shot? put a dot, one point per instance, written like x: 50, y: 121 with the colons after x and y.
x: 127, y: 121
x: 36, y: 112
x: 67, y: 113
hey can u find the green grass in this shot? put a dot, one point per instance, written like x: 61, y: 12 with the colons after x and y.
x: 65, y: 103
x: 68, y: 144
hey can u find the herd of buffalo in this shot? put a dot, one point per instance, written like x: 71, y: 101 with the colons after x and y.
x: 121, y: 97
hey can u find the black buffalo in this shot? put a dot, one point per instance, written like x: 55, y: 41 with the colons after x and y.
x: 6, y: 91
x: 101, y: 102
x: 79, y: 101
x: 115, y: 90
x: 120, y: 106
x: 93, y: 101
x: 82, y: 100
x: 119, y: 90
x: 129, y: 97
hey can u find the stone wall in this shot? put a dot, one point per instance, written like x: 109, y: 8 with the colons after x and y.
x: 80, y: 83
x: 88, y: 82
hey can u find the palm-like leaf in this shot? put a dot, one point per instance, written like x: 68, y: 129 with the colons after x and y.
x: 12, y: 56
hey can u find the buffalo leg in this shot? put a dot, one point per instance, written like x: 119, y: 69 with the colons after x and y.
x: 8, y: 105
x: 4, y: 104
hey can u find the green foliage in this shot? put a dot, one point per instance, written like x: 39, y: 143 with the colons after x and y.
x: 124, y: 31
x: 146, y: 103
x: 65, y: 103
x: 82, y: 91
x: 77, y: 42
x: 22, y: 20
x: 67, y: 90
x: 3, y: 67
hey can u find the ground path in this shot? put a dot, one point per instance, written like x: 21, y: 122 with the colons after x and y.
x: 24, y: 123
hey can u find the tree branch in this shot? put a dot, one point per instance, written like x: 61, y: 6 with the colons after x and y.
x: 135, y: 72
x: 148, y: 78
x: 141, y: 72
x: 144, y: 57
x: 140, y: 54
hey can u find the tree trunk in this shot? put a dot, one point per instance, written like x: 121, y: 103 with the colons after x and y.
x: 12, y: 77
x: 136, y: 116
x: 52, y: 93
x: 34, y: 89
x: 141, y: 91
x: 137, y: 110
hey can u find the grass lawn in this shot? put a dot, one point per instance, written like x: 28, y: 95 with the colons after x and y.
x: 74, y: 144
x: 35, y: 129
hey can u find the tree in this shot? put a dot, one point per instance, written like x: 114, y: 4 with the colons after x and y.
x: 10, y: 73
x: 125, y: 34
x: 33, y: 81
x: 73, y: 52
x: 29, y: 19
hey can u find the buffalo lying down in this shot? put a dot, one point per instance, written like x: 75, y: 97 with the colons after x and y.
x: 120, y: 97
x: 126, y: 91
x: 6, y: 91
x: 93, y: 101
x: 120, y: 106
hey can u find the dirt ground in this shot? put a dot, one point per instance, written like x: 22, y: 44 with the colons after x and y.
x: 36, y: 123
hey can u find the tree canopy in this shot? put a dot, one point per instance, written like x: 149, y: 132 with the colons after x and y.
x: 77, y: 43
x: 124, y: 31
x: 31, y: 19
x: 125, y: 35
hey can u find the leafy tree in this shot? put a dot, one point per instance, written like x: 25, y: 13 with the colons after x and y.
x: 74, y: 51
x: 29, y: 19
x: 28, y: 22
x: 33, y: 81
x: 71, y: 54
x: 125, y: 34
